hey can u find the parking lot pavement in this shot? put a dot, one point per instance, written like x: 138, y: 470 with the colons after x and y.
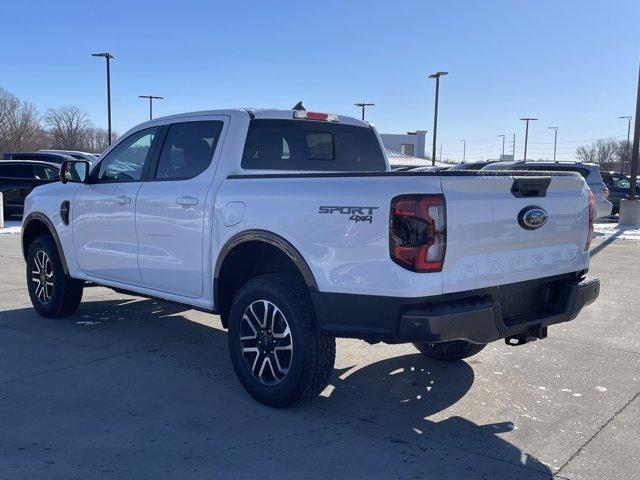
x: 137, y: 388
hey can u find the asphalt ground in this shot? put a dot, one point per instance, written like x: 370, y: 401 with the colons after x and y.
x: 136, y: 388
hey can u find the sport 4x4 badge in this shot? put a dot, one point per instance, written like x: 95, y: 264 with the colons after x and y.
x: 356, y: 214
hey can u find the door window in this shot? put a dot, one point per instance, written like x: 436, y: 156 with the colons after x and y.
x: 188, y: 149
x: 126, y: 161
x: 41, y: 172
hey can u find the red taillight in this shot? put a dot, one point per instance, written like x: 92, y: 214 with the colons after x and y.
x: 327, y: 117
x: 592, y: 216
x: 418, y: 232
x: 605, y: 192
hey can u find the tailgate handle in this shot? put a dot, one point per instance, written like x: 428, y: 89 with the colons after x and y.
x: 530, y: 186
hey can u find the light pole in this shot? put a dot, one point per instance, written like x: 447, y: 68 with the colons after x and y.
x: 107, y: 56
x: 503, y: 138
x: 636, y: 146
x: 464, y: 150
x: 437, y: 76
x: 628, y: 142
x: 363, y: 105
x: 555, y: 140
x: 151, y: 99
x: 526, y: 134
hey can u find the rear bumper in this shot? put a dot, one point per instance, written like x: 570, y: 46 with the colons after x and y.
x: 517, y: 310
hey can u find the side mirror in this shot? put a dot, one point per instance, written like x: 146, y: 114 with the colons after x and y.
x: 75, y: 171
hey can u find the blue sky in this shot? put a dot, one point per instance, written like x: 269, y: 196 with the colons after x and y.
x: 573, y: 64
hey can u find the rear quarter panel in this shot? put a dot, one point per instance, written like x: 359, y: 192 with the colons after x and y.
x: 344, y: 256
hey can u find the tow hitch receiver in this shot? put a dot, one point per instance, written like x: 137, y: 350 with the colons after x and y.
x: 532, y: 334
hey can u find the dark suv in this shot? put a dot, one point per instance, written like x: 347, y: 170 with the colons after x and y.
x: 618, y: 185
x: 18, y: 178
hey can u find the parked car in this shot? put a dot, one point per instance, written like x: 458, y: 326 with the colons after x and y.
x: 618, y: 185
x: 589, y: 171
x: 90, y: 157
x: 19, y: 178
x: 295, y: 231
x: 42, y: 156
x: 472, y: 165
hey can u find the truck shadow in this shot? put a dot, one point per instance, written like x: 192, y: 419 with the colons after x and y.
x: 400, y: 400
x: 410, y: 394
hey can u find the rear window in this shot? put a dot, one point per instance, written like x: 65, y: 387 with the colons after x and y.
x: 311, y: 146
x: 16, y: 171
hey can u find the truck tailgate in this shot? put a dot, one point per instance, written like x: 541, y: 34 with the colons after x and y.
x: 488, y: 246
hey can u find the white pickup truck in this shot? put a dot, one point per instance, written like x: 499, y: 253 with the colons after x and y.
x: 291, y: 226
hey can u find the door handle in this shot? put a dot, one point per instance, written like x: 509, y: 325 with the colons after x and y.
x: 122, y: 200
x: 187, y: 200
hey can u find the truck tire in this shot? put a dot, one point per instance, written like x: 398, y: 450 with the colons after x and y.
x: 449, y: 351
x: 278, y: 353
x: 53, y: 293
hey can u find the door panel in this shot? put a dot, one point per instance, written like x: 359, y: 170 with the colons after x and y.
x: 103, y: 212
x: 172, y: 206
x: 104, y: 231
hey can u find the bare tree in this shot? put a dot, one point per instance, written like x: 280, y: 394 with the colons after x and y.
x: 623, y: 155
x: 19, y: 124
x: 97, y: 139
x: 606, y: 152
x: 586, y: 153
x: 68, y: 127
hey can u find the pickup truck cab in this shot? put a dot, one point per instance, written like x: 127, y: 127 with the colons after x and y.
x: 290, y: 225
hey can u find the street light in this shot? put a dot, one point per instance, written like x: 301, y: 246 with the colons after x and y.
x: 526, y: 134
x: 464, y: 150
x: 363, y: 105
x: 628, y: 141
x: 151, y: 99
x: 555, y: 140
x: 437, y: 76
x: 503, y: 137
x: 107, y: 56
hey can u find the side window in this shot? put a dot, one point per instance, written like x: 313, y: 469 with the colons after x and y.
x: 40, y: 172
x: 188, y: 149
x: 125, y: 162
x: 621, y: 182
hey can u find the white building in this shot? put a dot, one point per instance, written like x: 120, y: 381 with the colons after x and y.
x: 410, y: 143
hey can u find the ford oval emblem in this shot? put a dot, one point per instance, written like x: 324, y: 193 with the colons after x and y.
x: 531, y: 218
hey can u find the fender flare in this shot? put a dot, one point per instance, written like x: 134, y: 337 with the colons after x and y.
x: 37, y: 216
x: 272, y: 239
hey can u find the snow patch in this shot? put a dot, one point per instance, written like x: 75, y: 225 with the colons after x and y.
x: 607, y: 231
x: 11, y: 227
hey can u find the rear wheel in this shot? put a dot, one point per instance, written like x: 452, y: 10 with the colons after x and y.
x: 277, y: 351
x: 53, y: 293
x: 449, y: 351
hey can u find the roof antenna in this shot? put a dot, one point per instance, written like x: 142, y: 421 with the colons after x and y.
x: 299, y: 106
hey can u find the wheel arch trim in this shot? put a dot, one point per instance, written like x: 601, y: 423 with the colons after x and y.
x: 41, y: 217
x: 270, y: 238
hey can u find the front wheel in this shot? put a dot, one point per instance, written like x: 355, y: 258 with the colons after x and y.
x: 53, y: 293
x: 449, y: 351
x: 278, y: 353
